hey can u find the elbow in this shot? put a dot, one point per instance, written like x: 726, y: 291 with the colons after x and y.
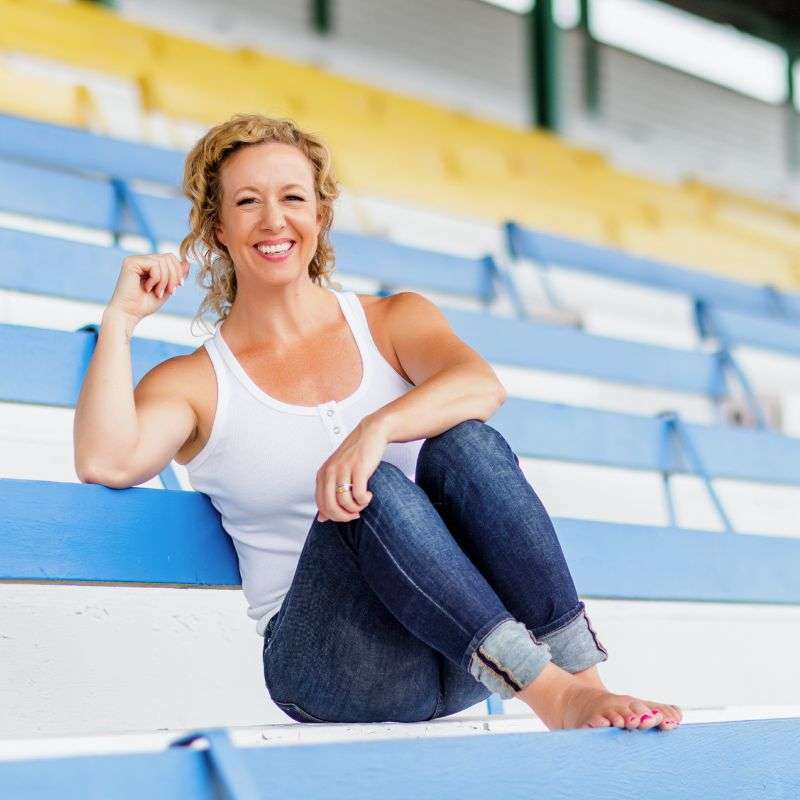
x: 92, y: 473
x: 497, y: 397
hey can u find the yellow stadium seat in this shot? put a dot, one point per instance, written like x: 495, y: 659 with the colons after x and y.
x: 711, y: 249
x: 44, y: 98
x: 81, y: 34
x: 403, y: 147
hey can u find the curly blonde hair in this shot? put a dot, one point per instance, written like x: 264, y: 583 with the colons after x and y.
x: 202, y: 185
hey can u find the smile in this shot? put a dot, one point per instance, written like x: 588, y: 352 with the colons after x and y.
x: 271, y: 255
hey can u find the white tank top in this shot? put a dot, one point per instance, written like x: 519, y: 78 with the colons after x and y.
x: 260, y: 462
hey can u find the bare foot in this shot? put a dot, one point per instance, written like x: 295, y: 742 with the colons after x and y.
x: 562, y: 701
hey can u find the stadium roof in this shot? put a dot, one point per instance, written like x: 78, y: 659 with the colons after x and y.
x: 776, y: 20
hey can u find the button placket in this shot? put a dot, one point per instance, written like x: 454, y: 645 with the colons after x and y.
x: 329, y: 413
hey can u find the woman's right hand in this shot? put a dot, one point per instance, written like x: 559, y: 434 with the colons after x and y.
x: 146, y: 282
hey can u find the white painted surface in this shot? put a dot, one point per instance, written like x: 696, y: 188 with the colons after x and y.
x: 79, y: 660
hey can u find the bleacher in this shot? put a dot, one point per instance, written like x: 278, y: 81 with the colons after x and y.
x: 653, y: 406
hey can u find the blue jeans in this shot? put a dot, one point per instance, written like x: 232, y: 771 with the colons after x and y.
x: 444, y: 591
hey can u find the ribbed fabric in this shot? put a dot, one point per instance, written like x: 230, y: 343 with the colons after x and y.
x: 260, y: 462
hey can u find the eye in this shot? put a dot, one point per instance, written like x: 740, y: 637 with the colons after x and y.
x: 294, y: 197
x: 244, y: 200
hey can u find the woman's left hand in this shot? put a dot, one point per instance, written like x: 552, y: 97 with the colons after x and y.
x: 354, y: 461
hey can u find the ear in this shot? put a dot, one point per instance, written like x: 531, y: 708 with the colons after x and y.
x: 220, y: 234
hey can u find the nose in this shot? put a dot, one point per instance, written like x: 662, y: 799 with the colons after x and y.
x: 272, y: 218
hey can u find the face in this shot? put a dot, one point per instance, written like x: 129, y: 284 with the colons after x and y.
x: 269, y: 219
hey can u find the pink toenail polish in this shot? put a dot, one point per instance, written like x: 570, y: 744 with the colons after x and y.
x: 646, y: 716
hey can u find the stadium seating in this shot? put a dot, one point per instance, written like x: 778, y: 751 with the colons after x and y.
x: 66, y: 533
x: 407, y: 149
x: 88, y: 273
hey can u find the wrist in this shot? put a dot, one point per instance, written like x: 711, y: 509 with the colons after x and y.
x: 116, y: 318
x: 379, y: 423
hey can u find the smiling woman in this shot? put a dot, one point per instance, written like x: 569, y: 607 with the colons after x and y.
x: 229, y: 185
x: 394, y: 556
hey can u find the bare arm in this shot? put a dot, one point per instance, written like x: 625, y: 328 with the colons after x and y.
x: 121, y: 436
x: 453, y: 383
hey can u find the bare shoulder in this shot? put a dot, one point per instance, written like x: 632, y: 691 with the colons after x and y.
x: 400, y: 304
x: 178, y: 375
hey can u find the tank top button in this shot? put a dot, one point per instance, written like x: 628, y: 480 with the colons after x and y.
x: 336, y: 430
x: 329, y: 412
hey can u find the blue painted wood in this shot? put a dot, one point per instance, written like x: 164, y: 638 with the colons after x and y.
x: 568, y: 433
x: 769, y: 334
x: 77, y: 200
x: 563, y: 349
x: 78, y: 271
x: 612, y: 263
x: 57, y: 196
x: 72, y: 148
x: 751, y: 759
x: 43, y: 366
x: 69, y: 531
x: 225, y: 762
x: 55, y: 267
x: 72, y: 532
x: 397, y: 264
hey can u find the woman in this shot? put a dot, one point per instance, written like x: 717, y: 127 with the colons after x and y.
x: 398, y: 564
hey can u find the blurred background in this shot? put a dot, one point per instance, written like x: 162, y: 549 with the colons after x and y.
x: 648, y: 156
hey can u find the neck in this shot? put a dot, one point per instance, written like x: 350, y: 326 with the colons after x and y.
x: 279, y: 316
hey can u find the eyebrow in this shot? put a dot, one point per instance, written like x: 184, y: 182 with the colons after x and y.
x: 283, y: 188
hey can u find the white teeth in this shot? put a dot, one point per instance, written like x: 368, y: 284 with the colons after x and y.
x: 274, y: 248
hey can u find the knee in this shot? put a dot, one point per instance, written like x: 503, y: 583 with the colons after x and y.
x: 465, y: 440
x: 390, y: 486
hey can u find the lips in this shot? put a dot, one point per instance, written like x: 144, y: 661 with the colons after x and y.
x: 275, y: 256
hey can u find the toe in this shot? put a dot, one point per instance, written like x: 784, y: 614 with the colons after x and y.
x: 598, y: 722
x: 647, y: 721
x: 632, y: 721
x: 616, y: 719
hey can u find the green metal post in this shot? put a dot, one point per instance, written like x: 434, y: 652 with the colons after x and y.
x: 321, y: 16
x: 543, y: 50
x: 792, y: 127
x: 591, y: 61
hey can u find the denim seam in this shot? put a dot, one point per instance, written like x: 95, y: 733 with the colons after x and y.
x: 302, y: 711
x: 502, y: 672
x: 480, y: 637
x: 409, y: 579
x: 594, y: 635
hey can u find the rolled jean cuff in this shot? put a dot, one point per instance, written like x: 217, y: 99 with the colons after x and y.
x: 575, y: 647
x: 509, y: 658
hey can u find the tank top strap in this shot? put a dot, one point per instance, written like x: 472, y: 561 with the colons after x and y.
x: 221, y: 372
x: 354, y: 311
